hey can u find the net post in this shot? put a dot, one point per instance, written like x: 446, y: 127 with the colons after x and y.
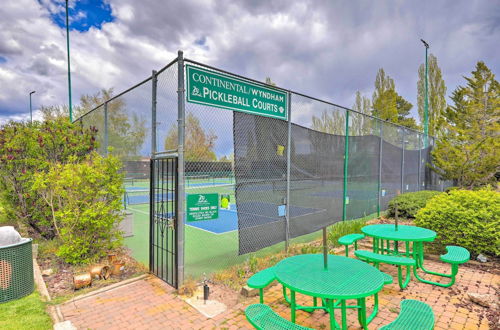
x: 180, y: 168
x: 346, y: 160
x: 380, y: 167
x: 154, y: 81
x: 403, y: 162
x: 106, y: 128
x: 288, y: 170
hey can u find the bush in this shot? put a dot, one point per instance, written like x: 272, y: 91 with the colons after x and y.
x: 28, y: 148
x: 342, y: 228
x: 85, y: 202
x: 408, y: 204
x: 470, y: 219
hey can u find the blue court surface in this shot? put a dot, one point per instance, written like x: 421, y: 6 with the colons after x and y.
x: 228, y: 219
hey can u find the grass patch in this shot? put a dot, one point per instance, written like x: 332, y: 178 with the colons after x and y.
x: 236, y: 276
x: 25, y: 313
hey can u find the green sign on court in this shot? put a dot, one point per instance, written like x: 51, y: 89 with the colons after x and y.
x: 228, y: 92
x: 202, y: 207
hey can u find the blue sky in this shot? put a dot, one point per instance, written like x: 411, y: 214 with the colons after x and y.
x: 83, y: 14
x: 327, y: 49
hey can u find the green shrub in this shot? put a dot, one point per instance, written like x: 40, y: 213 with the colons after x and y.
x: 27, y: 148
x: 85, y: 202
x: 470, y: 219
x: 408, y: 204
x: 342, y: 228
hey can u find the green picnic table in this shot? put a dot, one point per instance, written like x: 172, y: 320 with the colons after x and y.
x: 417, y: 236
x: 344, y: 278
x: 407, y: 234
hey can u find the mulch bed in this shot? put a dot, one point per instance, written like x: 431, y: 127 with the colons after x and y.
x: 60, y: 283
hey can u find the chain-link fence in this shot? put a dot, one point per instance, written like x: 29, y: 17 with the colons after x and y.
x: 274, y: 179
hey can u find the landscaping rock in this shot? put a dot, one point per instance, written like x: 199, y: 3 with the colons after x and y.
x: 47, y: 272
x: 482, y: 258
x: 247, y: 291
x: 485, y: 300
x: 66, y: 325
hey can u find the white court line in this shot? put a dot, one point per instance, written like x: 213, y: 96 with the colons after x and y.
x: 187, y: 224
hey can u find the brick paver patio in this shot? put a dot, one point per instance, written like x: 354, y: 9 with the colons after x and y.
x: 152, y: 304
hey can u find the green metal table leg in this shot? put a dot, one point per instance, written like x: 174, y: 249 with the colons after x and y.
x: 261, y: 294
x: 347, y: 250
x: 292, y: 294
x: 402, y: 284
x: 344, y: 314
x: 452, y: 276
x: 374, y: 312
x: 286, y: 296
x: 362, y: 313
x: 331, y: 310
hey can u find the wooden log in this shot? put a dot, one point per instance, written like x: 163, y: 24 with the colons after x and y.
x: 82, y: 280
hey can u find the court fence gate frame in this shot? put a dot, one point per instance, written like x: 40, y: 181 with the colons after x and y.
x: 324, y: 163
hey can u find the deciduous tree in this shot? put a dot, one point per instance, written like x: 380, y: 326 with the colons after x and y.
x: 361, y: 124
x: 437, y: 95
x: 198, y: 145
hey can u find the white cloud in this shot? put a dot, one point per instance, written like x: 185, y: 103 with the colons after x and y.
x: 326, y: 49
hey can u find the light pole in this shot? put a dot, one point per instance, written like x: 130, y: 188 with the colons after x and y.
x: 69, y: 65
x: 426, y: 102
x: 31, y: 110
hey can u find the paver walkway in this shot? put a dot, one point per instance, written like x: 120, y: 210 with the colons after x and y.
x: 152, y: 304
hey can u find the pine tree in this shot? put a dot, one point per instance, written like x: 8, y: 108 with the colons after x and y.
x: 437, y: 95
x: 469, y: 149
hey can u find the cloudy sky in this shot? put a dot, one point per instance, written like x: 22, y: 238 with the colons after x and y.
x: 327, y: 49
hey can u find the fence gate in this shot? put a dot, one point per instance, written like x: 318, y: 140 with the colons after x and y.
x: 163, y: 219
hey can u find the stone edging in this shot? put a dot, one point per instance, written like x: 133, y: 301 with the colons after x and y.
x: 106, y: 288
x: 53, y: 311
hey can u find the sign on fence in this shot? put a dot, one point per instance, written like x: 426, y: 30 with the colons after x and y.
x: 228, y: 92
x: 202, y: 207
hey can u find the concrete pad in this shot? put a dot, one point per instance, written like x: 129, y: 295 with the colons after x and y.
x: 209, y: 309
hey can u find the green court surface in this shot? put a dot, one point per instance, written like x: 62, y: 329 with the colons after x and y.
x: 207, y: 252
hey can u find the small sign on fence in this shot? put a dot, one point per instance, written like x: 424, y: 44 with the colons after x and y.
x: 225, y: 91
x: 202, y: 207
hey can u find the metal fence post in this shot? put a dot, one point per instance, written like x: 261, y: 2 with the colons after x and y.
x: 346, y: 160
x: 403, y: 163
x: 106, y: 128
x: 288, y: 170
x: 180, y: 168
x: 419, y: 185
x: 154, y: 81
x: 381, y: 132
